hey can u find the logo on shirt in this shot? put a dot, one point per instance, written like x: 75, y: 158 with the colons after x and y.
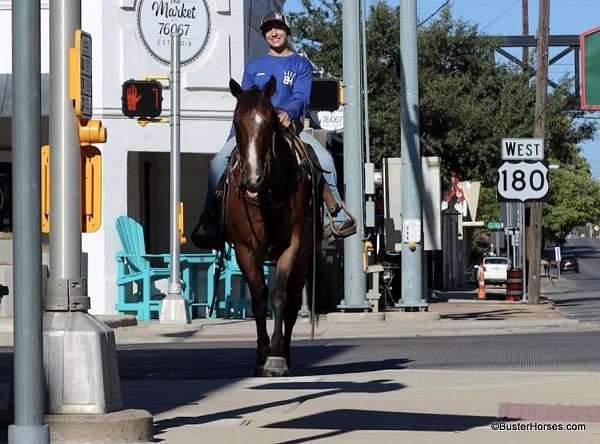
x: 259, y: 74
x: 288, y: 77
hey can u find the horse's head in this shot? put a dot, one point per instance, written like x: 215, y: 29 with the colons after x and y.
x: 255, y: 125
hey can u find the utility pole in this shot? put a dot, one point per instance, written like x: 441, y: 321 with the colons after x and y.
x: 28, y: 424
x: 525, y: 16
x: 174, y: 309
x: 534, y: 237
x: 355, y: 284
x: 72, y: 337
x: 410, y: 167
x: 365, y: 82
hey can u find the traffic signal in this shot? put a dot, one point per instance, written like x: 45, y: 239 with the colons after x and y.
x: 141, y: 98
x: 326, y: 95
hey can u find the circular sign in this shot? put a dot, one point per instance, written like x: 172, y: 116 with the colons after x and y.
x: 157, y: 20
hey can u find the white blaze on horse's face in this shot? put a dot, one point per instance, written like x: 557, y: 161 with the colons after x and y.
x: 253, y: 164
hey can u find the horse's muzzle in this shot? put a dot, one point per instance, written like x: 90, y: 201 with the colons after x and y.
x: 253, y: 184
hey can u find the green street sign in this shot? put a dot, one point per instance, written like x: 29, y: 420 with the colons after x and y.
x: 495, y: 225
x: 590, y: 69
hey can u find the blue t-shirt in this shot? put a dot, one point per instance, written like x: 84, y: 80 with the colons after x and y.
x: 294, y: 80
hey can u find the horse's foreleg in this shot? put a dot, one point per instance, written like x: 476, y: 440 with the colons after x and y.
x: 295, y: 287
x: 279, y: 298
x: 252, y: 269
x: 290, y: 317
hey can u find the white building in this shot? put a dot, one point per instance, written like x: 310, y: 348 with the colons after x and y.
x: 135, y: 159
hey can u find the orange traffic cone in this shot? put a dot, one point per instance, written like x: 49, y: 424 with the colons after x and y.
x: 481, y: 290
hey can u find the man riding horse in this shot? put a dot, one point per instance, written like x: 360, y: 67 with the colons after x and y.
x: 293, y: 75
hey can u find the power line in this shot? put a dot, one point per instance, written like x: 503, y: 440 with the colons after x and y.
x: 442, y: 6
x: 501, y: 14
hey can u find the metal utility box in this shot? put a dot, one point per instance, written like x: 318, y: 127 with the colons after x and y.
x: 432, y: 197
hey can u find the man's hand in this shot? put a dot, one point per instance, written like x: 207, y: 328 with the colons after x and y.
x: 284, y: 118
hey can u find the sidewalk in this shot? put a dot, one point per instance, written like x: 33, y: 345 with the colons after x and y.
x: 458, y: 316
x: 387, y: 406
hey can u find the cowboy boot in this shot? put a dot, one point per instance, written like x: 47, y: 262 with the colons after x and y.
x: 208, y: 233
x: 336, y: 229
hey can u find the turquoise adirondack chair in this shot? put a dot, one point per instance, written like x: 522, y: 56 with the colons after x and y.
x: 135, y: 265
x: 230, y: 306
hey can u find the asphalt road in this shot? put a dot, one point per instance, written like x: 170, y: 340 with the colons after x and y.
x: 582, y: 301
x: 544, y: 352
x: 210, y: 360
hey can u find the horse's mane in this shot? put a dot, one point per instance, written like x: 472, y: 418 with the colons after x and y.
x: 254, y: 98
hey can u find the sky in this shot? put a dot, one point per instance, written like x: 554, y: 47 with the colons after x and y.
x: 503, y: 17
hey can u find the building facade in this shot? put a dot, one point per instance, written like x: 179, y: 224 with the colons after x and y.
x: 129, y: 41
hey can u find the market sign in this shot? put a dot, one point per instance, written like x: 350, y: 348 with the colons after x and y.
x: 590, y: 69
x: 157, y: 20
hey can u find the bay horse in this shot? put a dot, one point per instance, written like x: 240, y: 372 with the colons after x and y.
x: 268, y: 197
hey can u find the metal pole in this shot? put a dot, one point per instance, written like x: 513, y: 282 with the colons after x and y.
x: 355, y: 287
x: 65, y: 155
x: 28, y: 424
x: 174, y: 278
x: 523, y: 249
x: 411, y: 198
x: 365, y: 83
x: 174, y: 309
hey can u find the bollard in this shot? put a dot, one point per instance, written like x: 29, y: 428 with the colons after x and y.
x: 481, y: 290
x: 514, y: 285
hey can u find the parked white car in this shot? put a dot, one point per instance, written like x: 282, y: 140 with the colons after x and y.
x: 495, y: 269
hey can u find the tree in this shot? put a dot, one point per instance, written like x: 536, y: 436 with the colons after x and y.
x: 574, y: 200
x: 468, y: 101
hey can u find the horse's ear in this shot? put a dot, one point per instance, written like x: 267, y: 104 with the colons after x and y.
x: 235, y: 88
x: 270, y: 87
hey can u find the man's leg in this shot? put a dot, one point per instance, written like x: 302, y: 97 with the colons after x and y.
x: 208, y: 233
x: 344, y: 225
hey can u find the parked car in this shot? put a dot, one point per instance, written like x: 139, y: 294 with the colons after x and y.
x: 569, y: 263
x: 495, y: 269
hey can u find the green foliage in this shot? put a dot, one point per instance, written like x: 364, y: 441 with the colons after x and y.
x: 468, y: 103
x: 574, y: 200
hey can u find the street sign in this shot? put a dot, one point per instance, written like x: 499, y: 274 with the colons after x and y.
x: 557, y: 254
x: 141, y: 98
x: 411, y: 231
x: 589, y: 42
x: 522, y: 149
x: 522, y: 181
x: 495, y: 225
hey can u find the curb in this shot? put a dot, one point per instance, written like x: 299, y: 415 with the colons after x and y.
x: 117, y: 321
x: 123, y: 426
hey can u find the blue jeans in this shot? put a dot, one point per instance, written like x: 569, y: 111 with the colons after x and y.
x: 219, y: 162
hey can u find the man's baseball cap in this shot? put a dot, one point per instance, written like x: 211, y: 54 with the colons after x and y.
x: 273, y: 17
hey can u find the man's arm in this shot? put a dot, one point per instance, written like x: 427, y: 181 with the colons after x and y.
x: 247, y: 78
x: 301, y: 95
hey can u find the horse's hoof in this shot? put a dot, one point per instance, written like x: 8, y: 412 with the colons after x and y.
x: 276, y: 366
x: 260, y: 372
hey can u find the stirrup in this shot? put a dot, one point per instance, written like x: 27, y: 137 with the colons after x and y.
x: 348, y: 228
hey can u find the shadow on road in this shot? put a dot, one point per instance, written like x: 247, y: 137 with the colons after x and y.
x: 488, y: 315
x: 329, y: 388
x: 218, y: 368
x: 349, y: 420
